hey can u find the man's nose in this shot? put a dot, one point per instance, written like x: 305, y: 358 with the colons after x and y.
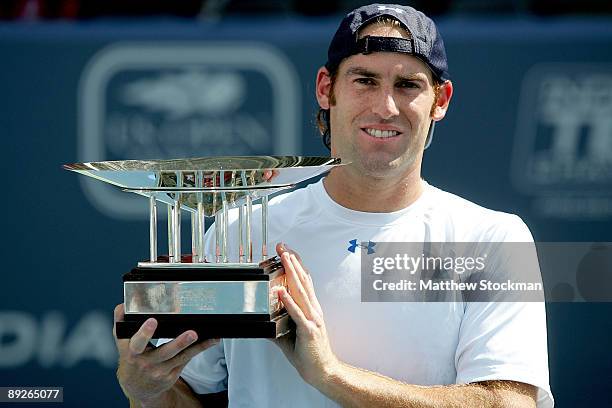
x: 385, y: 106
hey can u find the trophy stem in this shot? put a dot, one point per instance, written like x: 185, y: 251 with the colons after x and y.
x: 225, y: 225
x: 194, y: 236
x: 176, y: 220
x: 170, y: 235
x: 240, y: 232
x: 249, y: 242
x: 176, y: 230
x: 264, y: 228
x: 225, y: 218
x: 217, y: 220
x: 201, y: 220
x: 218, y: 232
x: 153, y: 228
x: 199, y: 182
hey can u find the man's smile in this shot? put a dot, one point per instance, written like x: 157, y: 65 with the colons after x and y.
x: 381, y: 132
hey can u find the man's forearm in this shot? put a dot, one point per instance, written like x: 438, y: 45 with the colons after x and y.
x: 180, y: 395
x: 354, y: 387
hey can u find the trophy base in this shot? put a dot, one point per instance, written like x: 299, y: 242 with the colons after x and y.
x: 209, y: 326
x: 217, y: 302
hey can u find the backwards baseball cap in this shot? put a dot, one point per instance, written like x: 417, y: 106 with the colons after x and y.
x: 425, y: 44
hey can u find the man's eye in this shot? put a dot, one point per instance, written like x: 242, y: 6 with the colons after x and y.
x: 407, y: 84
x: 364, y: 81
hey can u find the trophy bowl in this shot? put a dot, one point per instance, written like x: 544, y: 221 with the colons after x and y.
x: 214, y: 291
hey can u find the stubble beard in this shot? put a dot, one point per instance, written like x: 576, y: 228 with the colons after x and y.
x: 383, y: 164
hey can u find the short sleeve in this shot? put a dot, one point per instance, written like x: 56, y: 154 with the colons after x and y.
x: 207, y: 372
x: 505, y: 340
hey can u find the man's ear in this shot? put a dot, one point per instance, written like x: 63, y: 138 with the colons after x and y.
x: 444, y: 96
x: 323, y: 87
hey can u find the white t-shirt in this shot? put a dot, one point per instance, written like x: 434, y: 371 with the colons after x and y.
x: 417, y: 343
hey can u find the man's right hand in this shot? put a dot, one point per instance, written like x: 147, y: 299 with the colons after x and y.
x: 146, y: 373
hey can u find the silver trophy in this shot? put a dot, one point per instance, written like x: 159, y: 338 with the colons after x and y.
x: 212, y: 292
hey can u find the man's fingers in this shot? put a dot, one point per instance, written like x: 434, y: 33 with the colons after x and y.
x: 119, y: 312
x: 296, y: 288
x: 171, y: 349
x: 307, y: 284
x: 299, y: 270
x: 282, y: 247
x: 307, y: 289
x: 269, y: 174
x: 139, y: 341
x: 292, y: 308
x: 118, y: 315
x: 302, y: 274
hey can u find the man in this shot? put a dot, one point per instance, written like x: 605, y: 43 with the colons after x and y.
x: 384, y: 86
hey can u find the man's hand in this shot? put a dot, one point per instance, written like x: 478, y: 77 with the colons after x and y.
x: 145, y: 373
x: 309, y: 350
x: 310, y: 353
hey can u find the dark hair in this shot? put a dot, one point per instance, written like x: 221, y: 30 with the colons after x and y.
x: 323, y: 114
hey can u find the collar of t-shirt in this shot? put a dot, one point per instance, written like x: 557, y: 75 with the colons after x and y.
x: 330, y: 207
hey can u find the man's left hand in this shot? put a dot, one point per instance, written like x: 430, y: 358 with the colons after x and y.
x: 308, y: 350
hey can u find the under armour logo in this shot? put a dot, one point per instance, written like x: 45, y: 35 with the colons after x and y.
x: 397, y: 10
x: 369, y: 246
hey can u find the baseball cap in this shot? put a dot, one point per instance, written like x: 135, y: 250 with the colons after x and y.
x: 425, y: 44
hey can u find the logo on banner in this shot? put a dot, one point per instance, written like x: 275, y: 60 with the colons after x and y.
x: 47, y: 339
x: 563, y: 146
x: 150, y: 101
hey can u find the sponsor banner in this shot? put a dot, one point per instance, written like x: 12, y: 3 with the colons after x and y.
x: 141, y: 100
x: 49, y: 341
x: 563, y: 145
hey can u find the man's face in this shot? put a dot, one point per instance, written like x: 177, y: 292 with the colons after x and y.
x: 382, y: 110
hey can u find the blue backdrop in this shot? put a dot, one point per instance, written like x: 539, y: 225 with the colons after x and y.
x: 529, y: 132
